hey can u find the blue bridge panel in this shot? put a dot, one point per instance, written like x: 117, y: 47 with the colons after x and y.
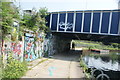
x: 62, y: 21
x: 115, y: 22
x: 96, y: 22
x: 70, y: 21
x: 78, y: 22
x: 54, y: 22
x: 105, y: 22
x: 87, y: 21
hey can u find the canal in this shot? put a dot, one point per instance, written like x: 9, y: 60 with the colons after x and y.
x: 102, y: 66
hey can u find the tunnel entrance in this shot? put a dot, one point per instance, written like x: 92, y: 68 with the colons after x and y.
x: 65, y: 46
x: 64, y: 42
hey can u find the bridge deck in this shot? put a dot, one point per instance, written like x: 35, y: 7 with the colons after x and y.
x: 104, y: 22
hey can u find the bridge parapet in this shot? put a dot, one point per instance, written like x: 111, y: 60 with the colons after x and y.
x: 103, y: 22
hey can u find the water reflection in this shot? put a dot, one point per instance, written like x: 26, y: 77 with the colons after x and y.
x: 105, y: 59
x: 101, y: 64
x: 108, y: 63
x: 104, y: 62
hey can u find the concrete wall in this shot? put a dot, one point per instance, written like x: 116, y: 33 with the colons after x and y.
x: 28, y: 48
x: 60, y: 44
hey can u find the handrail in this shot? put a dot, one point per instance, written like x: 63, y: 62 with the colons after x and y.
x: 101, y: 75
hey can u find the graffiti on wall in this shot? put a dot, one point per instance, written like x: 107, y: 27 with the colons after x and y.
x: 5, y: 52
x: 48, y: 47
x: 13, y: 48
x: 33, y: 49
x: 17, y: 50
x: 29, y: 47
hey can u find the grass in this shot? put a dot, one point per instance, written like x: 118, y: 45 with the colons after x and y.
x: 42, y: 61
x: 97, y: 45
x: 86, y: 43
x: 85, y: 68
x: 14, y: 69
x: 0, y: 73
x: 111, y: 56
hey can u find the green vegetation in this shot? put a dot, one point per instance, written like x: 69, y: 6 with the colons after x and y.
x: 97, y: 45
x: 82, y: 64
x: 1, y: 68
x: 112, y: 56
x: 35, y: 21
x: 85, y: 68
x: 9, y: 13
x: 14, y: 69
x: 14, y: 25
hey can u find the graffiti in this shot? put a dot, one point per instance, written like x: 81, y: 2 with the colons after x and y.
x: 33, y: 49
x: 5, y: 52
x: 40, y: 49
x: 11, y: 48
x: 51, y: 69
x: 65, y: 26
x: 17, y: 50
x: 29, y: 48
x: 48, y: 47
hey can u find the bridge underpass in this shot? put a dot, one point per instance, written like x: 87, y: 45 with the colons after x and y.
x: 62, y: 41
x: 90, y: 37
x: 93, y: 25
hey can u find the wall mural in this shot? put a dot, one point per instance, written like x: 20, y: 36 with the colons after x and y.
x: 33, y: 49
x: 29, y: 47
x: 5, y: 52
x: 17, y: 50
x: 38, y: 49
x: 48, y: 46
x: 14, y: 48
x: 40, y: 44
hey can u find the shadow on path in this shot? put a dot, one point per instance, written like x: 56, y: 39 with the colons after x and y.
x: 72, y: 55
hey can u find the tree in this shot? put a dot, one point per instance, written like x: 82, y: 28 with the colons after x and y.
x: 8, y: 13
x: 42, y: 24
x: 35, y: 21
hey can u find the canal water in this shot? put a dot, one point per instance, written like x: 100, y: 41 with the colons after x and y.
x: 106, y: 64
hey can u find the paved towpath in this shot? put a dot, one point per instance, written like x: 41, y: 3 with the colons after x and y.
x: 59, y: 66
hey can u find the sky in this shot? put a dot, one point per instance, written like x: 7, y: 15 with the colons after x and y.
x: 68, y: 5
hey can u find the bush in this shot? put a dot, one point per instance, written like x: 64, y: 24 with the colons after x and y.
x: 115, y: 45
x: 14, y: 69
x: 83, y: 65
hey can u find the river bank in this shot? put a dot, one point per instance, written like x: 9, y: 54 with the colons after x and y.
x: 87, y: 45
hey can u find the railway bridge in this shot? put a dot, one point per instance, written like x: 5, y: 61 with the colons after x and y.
x: 97, y: 25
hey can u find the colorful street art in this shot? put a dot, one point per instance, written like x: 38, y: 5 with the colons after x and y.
x: 48, y: 46
x: 13, y: 48
x: 5, y: 52
x: 33, y: 49
x: 28, y: 49
x: 17, y: 50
